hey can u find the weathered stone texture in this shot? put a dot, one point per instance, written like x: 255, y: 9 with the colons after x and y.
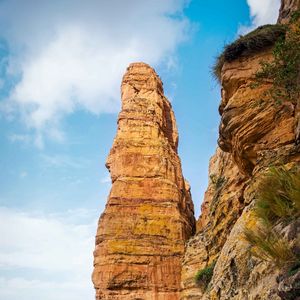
x: 255, y: 133
x: 288, y: 7
x: 223, y: 204
x: 252, y: 123
x: 149, y: 213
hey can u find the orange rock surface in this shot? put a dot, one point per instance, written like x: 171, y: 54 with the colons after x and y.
x: 149, y: 213
x: 252, y: 124
x: 255, y: 133
x: 222, y: 206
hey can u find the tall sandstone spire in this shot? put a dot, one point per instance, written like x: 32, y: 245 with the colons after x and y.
x: 149, y: 214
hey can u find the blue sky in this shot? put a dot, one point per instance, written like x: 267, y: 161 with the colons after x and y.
x: 61, y: 64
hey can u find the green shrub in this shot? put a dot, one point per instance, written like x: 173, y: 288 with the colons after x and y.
x: 284, y: 70
x: 278, y: 196
x: 218, y: 184
x: 218, y: 181
x: 268, y: 245
x: 253, y: 42
x: 203, y: 277
x: 277, y: 201
x: 295, y: 16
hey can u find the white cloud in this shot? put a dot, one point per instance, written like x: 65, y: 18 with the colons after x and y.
x: 14, y: 288
x: 55, y: 249
x: 24, y: 138
x: 64, y: 161
x: 71, y: 54
x: 261, y: 12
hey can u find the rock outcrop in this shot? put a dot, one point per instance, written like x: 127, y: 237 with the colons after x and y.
x: 288, y: 7
x: 149, y: 214
x: 223, y: 204
x: 255, y: 133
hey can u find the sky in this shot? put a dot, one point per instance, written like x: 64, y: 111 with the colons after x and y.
x: 61, y: 64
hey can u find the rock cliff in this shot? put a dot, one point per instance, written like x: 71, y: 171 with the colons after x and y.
x: 256, y: 132
x: 149, y: 214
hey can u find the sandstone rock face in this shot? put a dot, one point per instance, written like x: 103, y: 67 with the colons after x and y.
x: 223, y: 204
x: 252, y: 124
x: 149, y: 214
x: 286, y: 10
x: 255, y: 133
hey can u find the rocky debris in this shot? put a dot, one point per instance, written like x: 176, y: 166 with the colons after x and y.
x: 149, y: 213
x: 289, y: 286
x: 289, y: 280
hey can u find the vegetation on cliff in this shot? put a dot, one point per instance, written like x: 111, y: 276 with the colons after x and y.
x: 283, y: 71
x: 203, y: 276
x: 277, y: 207
x: 278, y: 196
x: 253, y: 42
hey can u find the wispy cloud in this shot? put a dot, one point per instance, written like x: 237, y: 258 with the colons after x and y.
x: 54, y: 249
x: 24, y: 138
x: 261, y: 12
x: 66, y: 55
x: 64, y: 161
x: 106, y: 179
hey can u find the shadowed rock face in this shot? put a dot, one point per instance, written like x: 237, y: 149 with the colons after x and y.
x: 149, y: 214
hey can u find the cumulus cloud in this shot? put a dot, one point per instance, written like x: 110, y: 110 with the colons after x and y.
x: 261, y: 12
x: 46, y: 256
x: 65, y: 55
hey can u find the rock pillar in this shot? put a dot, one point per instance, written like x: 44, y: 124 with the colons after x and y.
x: 149, y: 213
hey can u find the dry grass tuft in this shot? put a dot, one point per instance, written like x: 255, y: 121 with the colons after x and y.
x: 277, y: 204
x: 253, y: 42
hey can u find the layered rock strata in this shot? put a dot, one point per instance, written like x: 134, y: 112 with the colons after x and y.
x: 149, y: 213
x: 255, y: 133
x: 222, y: 206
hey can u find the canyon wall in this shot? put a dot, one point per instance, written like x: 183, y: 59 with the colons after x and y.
x: 149, y: 214
x: 146, y: 244
x: 255, y: 133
